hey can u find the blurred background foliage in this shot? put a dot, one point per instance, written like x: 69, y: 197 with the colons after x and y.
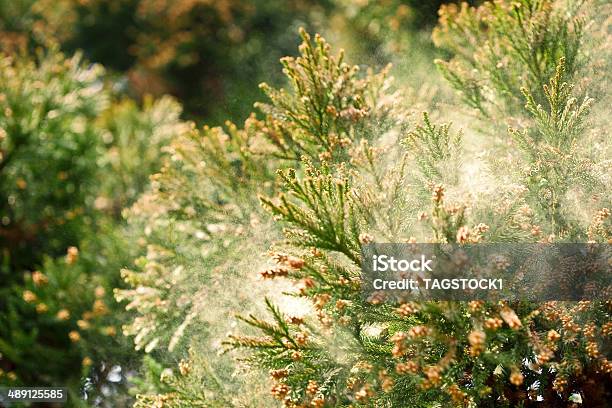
x: 210, y: 54
x: 84, y: 122
x: 72, y: 154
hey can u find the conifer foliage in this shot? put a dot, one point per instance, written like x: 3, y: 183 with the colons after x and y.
x: 502, y: 46
x: 62, y: 243
x: 334, y: 162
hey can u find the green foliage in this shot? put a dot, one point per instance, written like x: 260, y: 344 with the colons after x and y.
x: 500, y: 47
x: 208, y: 54
x: 208, y: 189
x: 48, y: 149
x: 171, y: 214
x: 21, y: 28
x: 397, y: 31
x: 476, y: 353
x: 65, y: 312
x: 436, y: 150
x: 563, y: 121
x: 326, y: 219
x: 176, y: 390
x: 66, y: 148
x: 247, y: 240
x: 236, y: 163
x: 555, y: 162
x: 135, y: 138
x: 327, y: 105
x: 49, y: 153
x: 348, y: 183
